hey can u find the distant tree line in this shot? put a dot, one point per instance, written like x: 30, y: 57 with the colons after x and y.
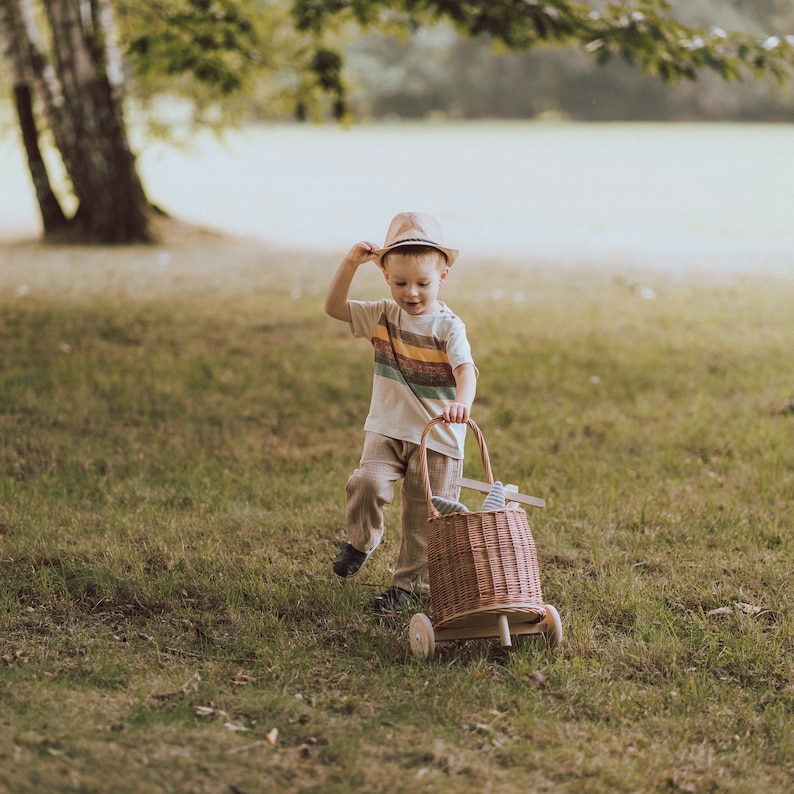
x: 437, y: 72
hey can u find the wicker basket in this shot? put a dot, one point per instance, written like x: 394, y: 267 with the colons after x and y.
x: 480, y: 563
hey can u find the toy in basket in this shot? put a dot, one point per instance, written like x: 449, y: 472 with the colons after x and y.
x: 483, y: 569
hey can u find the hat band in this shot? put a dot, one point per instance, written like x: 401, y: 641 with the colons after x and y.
x: 414, y: 240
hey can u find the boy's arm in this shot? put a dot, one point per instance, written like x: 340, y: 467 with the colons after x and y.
x: 465, y: 389
x: 336, y: 304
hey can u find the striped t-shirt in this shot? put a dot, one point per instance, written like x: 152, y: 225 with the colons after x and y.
x: 415, y: 357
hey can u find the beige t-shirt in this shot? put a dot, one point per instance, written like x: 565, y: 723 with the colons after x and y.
x: 415, y: 357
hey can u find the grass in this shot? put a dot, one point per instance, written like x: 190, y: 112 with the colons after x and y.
x: 177, y: 427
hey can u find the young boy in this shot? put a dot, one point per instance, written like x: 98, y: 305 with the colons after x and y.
x: 423, y: 368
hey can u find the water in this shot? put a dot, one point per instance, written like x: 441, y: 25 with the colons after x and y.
x: 675, y: 196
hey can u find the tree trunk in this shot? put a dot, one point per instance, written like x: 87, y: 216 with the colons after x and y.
x: 12, y: 31
x: 84, y: 114
x: 52, y: 215
x: 93, y: 138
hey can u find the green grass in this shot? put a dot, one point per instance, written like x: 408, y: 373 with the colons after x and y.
x: 172, y: 469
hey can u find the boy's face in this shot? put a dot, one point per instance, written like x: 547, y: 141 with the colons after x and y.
x: 415, y: 281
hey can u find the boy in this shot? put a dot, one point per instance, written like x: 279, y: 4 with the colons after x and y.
x: 423, y: 368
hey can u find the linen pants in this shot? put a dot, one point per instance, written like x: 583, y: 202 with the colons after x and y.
x: 371, y: 486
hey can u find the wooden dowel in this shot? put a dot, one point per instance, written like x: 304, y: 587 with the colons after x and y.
x: 504, y: 631
x: 484, y: 487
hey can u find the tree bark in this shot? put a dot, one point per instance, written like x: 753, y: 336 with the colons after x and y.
x: 52, y: 215
x: 12, y: 30
x: 83, y: 111
x: 93, y: 139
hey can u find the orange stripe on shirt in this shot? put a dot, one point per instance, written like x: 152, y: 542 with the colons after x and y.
x: 430, y: 354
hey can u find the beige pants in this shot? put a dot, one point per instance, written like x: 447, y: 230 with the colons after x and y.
x: 371, y: 487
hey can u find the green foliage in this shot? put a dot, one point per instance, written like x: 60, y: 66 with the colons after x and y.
x: 213, y: 40
x: 658, y: 45
x: 227, y: 60
x: 291, y: 53
x: 327, y: 66
x: 640, y: 32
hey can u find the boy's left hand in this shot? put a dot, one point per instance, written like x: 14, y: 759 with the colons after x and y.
x: 456, y: 413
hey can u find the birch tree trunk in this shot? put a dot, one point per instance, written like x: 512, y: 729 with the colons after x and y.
x: 79, y: 87
x: 12, y: 31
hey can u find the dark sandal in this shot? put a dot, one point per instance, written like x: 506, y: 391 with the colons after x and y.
x: 349, y: 561
x: 395, y: 599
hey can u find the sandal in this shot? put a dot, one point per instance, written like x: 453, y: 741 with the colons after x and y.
x: 395, y: 599
x: 350, y: 560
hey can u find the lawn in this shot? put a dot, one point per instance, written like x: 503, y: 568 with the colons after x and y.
x: 177, y: 423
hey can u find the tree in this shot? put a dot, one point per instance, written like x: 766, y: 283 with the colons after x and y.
x: 79, y: 87
x: 20, y: 58
x: 77, y: 80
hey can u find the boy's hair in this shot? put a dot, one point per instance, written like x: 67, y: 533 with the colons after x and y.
x: 415, y: 254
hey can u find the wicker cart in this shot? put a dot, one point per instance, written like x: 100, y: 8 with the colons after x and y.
x: 483, y: 570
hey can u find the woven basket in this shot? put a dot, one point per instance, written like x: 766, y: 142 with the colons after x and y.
x: 479, y: 563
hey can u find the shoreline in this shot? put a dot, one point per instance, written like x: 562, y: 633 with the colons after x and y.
x: 680, y: 199
x: 190, y: 260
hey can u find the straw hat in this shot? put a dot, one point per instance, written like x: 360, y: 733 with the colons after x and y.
x: 415, y: 228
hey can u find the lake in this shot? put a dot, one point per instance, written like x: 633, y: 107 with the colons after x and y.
x: 669, y: 196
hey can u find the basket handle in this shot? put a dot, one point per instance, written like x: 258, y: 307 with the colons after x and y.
x: 486, y: 461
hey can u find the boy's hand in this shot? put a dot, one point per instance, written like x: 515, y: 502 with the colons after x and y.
x: 336, y: 303
x: 360, y: 253
x: 456, y: 413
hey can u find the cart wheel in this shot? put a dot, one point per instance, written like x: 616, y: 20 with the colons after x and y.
x: 552, y: 626
x: 423, y: 640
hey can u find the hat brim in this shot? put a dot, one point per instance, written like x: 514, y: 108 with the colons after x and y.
x: 450, y: 253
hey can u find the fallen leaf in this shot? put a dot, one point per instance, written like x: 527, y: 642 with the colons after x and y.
x: 232, y: 727
x: 748, y: 609
x: 719, y: 611
x: 210, y: 711
x: 745, y: 609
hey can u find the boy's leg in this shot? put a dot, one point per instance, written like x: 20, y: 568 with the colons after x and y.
x: 370, y: 488
x: 412, y: 559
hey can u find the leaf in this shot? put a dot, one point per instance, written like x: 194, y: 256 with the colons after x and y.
x: 233, y: 727
x: 742, y: 608
x: 754, y: 611
x: 719, y: 611
x: 210, y: 711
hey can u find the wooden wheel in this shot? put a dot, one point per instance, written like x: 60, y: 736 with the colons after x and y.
x: 423, y: 640
x: 552, y: 626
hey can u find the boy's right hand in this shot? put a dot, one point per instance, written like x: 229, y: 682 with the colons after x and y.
x: 336, y: 302
x: 361, y: 253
